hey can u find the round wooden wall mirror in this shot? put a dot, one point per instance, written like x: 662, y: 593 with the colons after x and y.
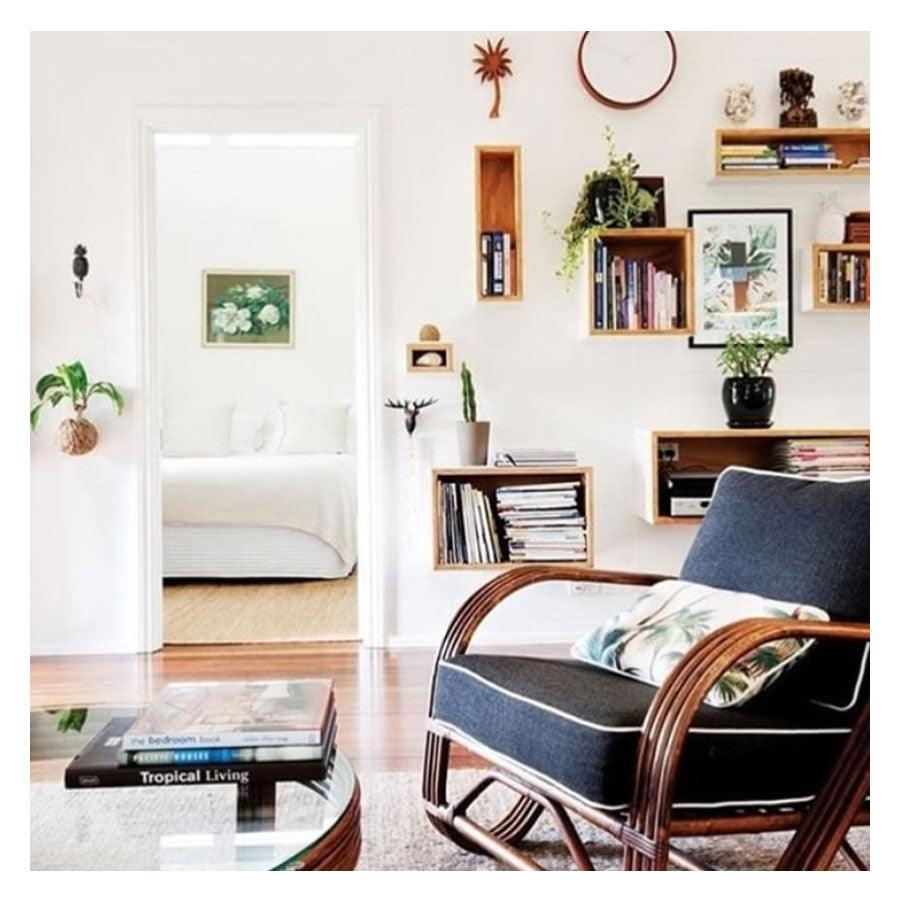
x: 626, y: 69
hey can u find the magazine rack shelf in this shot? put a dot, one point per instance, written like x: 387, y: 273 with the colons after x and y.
x: 489, y: 478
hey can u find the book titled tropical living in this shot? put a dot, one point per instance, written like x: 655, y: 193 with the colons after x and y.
x: 234, y: 714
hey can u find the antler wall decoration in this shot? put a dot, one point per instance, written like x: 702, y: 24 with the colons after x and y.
x: 493, y: 64
x: 412, y: 408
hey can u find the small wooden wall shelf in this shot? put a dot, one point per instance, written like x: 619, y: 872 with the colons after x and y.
x: 817, y: 301
x: 849, y: 144
x: 670, y: 249
x: 489, y: 478
x: 712, y: 449
x: 424, y: 349
x: 498, y: 208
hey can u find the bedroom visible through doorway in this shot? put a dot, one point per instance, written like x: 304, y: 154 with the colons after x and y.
x: 258, y: 272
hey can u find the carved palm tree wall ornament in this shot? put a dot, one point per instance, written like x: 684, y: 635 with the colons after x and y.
x: 493, y: 64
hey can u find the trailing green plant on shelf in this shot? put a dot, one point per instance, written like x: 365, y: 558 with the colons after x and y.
x: 751, y: 356
x: 609, y: 199
x: 70, y: 382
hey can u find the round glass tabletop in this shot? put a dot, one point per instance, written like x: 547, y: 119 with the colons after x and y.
x: 176, y: 827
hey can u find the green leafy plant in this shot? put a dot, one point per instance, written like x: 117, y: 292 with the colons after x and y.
x: 750, y: 356
x: 469, y: 409
x: 70, y: 382
x: 612, y: 198
x: 71, y: 719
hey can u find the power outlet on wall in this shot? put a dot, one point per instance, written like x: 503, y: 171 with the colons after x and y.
x: 668, y: 451
x: 585, y: 588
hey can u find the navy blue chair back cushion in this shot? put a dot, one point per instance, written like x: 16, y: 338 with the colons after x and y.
x: 794, y: 539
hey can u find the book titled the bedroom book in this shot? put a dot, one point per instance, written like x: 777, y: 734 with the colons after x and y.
x: 234, y: 714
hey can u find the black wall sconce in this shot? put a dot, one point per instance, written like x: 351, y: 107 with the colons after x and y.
x: 80, y: 268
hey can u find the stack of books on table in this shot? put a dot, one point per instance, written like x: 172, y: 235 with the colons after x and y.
x: 823, y: 457
x: 535, y: 458
x: 634, y: 294
x: 498, y: 263
x: 468, y: 529
x: 216, y: 733
x: 747, y: 157
x: 808, y: 155
x: 843, y: 277
x: 542, y: 522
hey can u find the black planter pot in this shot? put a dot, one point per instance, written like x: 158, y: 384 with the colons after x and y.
x: 749, y: 402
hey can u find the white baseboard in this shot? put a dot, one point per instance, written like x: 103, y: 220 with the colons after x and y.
x: 86, y: 649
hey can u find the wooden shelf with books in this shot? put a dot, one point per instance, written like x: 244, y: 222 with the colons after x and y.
x: 499, y: 261
x: 840, y: 277
x: 709, y: 450
x: 641, y: 282
x: 848, y: 147
x: 557, y: 501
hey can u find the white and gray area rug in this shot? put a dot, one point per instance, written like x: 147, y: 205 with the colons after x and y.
x: 131, y: 828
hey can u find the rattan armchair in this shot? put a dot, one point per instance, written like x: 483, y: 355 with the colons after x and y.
x: 819, y: 814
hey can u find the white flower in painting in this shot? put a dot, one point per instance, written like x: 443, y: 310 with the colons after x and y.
x: 254, y: 292
x: 269, y: 314
x: 229, y: 319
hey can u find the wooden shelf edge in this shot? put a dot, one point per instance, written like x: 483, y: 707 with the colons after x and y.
x: 641, y: 332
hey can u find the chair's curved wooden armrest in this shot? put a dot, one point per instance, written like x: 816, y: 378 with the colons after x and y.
x: 676, y: 703
x: 473, y: 612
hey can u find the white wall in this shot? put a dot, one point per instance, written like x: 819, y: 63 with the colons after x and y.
x: 284, y: 208
x: 539, y: 377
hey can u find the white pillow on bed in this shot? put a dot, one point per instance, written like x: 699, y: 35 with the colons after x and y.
x: 313, y: 429
x: 197, y: 429
x: 256, y: 428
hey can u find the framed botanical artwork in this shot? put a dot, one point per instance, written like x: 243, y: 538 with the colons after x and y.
x: 742, y: 274
x: 248, y: 308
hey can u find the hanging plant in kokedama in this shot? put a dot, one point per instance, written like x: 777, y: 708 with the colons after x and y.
x: 609, y: 199
x: 492, y: 64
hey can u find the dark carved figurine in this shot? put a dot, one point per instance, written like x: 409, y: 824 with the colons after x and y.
x: 80, y: 267
x: 796, y: 92
x: 412, y: 408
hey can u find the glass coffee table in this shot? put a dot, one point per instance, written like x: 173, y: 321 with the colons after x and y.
x: 313, y: 825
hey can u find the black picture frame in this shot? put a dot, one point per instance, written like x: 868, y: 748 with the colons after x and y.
x: 696, y: 341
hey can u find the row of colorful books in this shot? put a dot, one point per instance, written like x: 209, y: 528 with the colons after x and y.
x: 468, y: 532
x: 843, y: 277
x: 823, y: 457
x: 542, y: 522
x: 749, y: 157
x: 786, y: 155
x: 216, y: 732
x: 633, y: 294
x: 535, y: 457
x: 498, y: 262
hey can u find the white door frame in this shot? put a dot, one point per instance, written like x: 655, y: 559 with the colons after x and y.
x: 363, y: 124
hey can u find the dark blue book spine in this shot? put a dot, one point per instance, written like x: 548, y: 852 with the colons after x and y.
x: 598, y: 284
x: 604, y: 262
x: 487, y: 264
x: 498, y: 273
x: 629, y: 294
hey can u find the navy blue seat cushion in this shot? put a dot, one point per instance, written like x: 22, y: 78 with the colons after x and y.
x: 794, y: 539
x: 579, y: 725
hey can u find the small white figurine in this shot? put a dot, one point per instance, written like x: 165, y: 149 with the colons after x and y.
x: 854, y: 100
x: 740, y: 104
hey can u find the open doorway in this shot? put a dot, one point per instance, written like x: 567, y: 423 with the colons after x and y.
x: 258, y: 270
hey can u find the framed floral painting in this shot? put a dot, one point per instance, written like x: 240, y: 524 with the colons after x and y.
x: 742, y: 274
x: 248, y: 308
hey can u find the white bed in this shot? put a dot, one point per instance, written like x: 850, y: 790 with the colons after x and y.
x: 259, y: 516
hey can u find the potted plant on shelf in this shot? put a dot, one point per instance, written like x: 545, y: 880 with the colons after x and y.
x: 612, y: 198
x: 748, y: 393
x: 473, y: 436
x: 77, y: 435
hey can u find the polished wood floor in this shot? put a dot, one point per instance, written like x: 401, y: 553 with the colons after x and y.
x: 382, y: 695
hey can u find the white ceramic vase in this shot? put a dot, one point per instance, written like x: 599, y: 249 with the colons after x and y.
x: 830, y: 221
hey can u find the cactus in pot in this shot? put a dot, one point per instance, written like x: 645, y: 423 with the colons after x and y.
x: 473, y: 436
x: 77, y: 435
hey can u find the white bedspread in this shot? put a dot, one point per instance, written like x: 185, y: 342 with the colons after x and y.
x: 315, y: 493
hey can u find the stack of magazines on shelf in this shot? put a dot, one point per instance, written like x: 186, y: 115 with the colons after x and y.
x: 808, y: 155
x: 749, y: 157
x: 215, y: 733
x: 843, y: 277
x: 498, y: 262
x: 535, y: 458
x: 846, y: 457
x: 468, y: 529
x: 542, y: 522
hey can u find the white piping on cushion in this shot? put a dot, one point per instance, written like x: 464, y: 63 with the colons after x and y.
x: 631, y: 728
x: 540, y: 776
x: 859, y: 681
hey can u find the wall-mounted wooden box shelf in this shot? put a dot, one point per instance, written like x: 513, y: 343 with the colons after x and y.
x: 713, y: 450
x: 670, y: 250
x: 817, y: 299
x: 850, y: 144
x: 488, y: 479
x: 498, y: 210
x: 429, y: 357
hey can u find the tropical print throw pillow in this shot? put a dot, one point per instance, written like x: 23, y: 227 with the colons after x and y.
x: 647, y: 641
